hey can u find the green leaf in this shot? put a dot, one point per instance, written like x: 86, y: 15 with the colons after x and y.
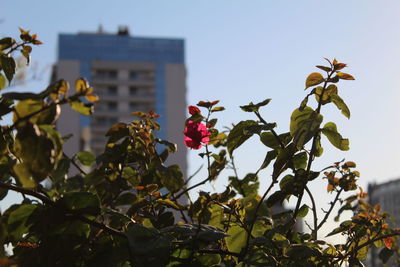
x: 238, y: 135
x: 271, y: 155
x: 236, y: 239
x: 6, y: 42
x: 318, y: 147
x: 172, y: 178
x: 209, y: 259
x: 25, y: 108
x: 314, y: 79
x: 341, y: 105
x: 24, y: 175
x: 346, y: 225
x: 269, y: 139
x: 86, y: 158
x: 255, y: 107
x: 303, y: 211
x: 83, y: 108
x: 81, y: 202
x: 61, y: 172
x: 303, y: 125
x: 286, y: 183
x: 148, y: 246
x: 248, y: 186
x: 330, y: 131
x: 276, y: 197
x: 300, y: 160
x: 17, y: 220
x: 9, y: 66
x: 168, y: 203
x: 117, y: 131
x: 385, y: 254
x: 2, y: 82
x: 36, y: 150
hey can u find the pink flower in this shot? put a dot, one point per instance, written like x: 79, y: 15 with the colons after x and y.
x: 194, y: 110
x: 196, y: 135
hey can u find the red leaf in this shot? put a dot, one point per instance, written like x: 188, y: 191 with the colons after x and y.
x: 388, y: 242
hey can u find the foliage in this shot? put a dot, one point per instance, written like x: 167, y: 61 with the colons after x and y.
x: 127, y: 210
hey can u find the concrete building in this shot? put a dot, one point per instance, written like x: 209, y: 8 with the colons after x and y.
x: 387, y: 195
x: 129, y: 73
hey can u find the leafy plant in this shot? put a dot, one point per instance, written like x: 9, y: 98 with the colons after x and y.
x: 126, y: 211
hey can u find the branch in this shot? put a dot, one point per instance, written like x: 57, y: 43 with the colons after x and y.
x: 314, y: 144
x: 369, y: 242
x: 75, y: 164
x: 314, y: 209
x: 48, y: 201
x: 220, y: 252
x: 330, y: 209
x: 272, y: 130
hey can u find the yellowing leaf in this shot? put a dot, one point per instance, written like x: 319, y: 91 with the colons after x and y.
x: 63, y: 87
x: 330, y: 131
x: 329, y: 91
x: 2, y: 82
x: 92, y: 98
x: 338, y: 101
x: 81, y: 85
x: 345, y: 76
x: 314, y: 79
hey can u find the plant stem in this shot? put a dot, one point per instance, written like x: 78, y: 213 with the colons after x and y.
x: 314, y: 210
x: 330, y: 209
x: 313, y: 147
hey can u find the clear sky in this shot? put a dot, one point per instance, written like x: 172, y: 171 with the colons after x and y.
x: 241, y: 51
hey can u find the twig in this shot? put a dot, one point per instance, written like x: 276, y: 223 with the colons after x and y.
x: 330, y: 209
x: 314, y: 210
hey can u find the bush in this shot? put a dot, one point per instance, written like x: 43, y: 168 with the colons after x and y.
x: 126, y: 211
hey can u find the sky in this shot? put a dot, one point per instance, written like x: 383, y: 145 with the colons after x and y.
x: 242, y: 51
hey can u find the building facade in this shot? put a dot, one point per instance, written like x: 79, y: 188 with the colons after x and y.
x: 387, y: 195
x: 129, y: 74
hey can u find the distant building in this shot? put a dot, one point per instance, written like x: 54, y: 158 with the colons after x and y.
x: 387, y: 195
x: 129, y: 73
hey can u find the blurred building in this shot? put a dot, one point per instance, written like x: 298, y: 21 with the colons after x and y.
x: 129, y: 73
x: 387, y: 195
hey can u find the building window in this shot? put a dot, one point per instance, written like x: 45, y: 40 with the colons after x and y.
x: 106, y: 74
x: 112, y: 106
x: 133, y: 90
x: 112, y: 90
x: 100, y: 121
x: 141, y: 91
x: 141, y: 75
x: 113, y: 120
x: 140, y: 106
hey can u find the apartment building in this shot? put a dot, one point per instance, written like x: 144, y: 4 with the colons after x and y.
x: 129, y: 73
x: 387, y: 195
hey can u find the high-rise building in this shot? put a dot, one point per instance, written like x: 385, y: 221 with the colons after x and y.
x: 387, y: 195
x: 129, y: 73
